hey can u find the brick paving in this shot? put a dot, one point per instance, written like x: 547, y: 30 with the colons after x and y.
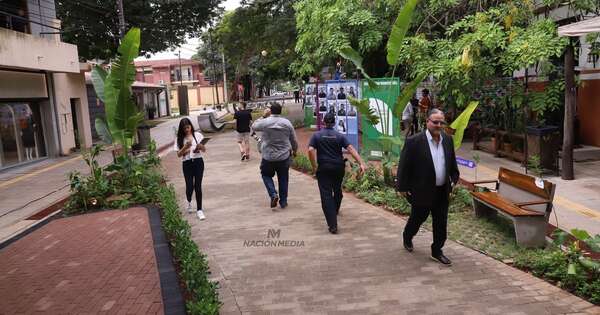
x: 102, y: 262
x: 362, y: 270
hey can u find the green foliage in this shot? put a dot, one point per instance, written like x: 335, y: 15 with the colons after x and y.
x: 88, y: 192
x: 568, y: 268
x: 365, y: 110
x: 372, y: 188
x: 461, y: 123
x: 399, y: 29
x: 301, y: 162
x: 549, y: 100
x: 122, y: 116
x: 93, y: 25
x: 535, y: 166
x: 193, y: 265
x: 324, y: 26
x: 103, y: 130
x: 130, y: 180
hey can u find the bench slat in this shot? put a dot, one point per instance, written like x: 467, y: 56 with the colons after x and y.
x: 502, y: 204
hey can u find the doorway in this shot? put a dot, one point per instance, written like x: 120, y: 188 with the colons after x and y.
x: 74, y: 105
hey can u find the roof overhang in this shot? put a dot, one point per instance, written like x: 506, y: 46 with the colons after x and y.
x: 580, y: 28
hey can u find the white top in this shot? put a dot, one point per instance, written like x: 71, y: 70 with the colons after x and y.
x: 439, y: 160
x: 195, y: 142
x: 408, y: 112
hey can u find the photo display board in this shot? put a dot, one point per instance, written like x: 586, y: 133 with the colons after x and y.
x: 333, y: 97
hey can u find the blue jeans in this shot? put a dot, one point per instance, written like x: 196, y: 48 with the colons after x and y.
x: 268, y: 169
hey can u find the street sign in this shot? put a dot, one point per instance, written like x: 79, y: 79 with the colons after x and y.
x: 464, y: 162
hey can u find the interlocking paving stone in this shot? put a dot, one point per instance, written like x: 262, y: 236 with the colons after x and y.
x: 362, y: 270
x: 99, y: 262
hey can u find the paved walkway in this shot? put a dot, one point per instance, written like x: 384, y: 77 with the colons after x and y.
x: 96, y: 263
x: 25, y: 191
x: 362, y: 270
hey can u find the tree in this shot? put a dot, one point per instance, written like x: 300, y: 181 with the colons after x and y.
x: 245, y: 33
x: 93, y: 25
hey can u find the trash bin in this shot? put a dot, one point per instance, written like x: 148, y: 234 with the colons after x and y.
x: 544, y: 142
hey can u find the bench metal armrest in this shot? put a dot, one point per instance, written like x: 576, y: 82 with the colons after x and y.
x: 489, y: 181
x: 531, y: 203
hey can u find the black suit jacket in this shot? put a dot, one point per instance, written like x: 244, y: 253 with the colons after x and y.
x: 416, y: 173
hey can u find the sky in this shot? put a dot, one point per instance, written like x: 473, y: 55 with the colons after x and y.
x: 189, y: 48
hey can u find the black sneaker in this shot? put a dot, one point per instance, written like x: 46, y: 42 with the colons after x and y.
x: 333, y: 230
x: 442, y: 259
x: 274, y: 201
x: 408, y: 245
x: 283, y: 205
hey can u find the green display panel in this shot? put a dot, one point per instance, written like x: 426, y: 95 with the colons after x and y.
x: 381, y: 101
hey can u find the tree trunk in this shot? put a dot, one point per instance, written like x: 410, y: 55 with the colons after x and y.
x: 568, y: 138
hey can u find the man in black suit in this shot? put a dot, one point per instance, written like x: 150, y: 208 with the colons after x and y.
x: 427, y: 172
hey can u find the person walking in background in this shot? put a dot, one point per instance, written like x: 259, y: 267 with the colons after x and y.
x: 188, y: 146
x: 327, y: 160
x: 296, y: 96
x: 407, y: 118
x: 414, y: 102
x: 243, y: 118
x: 278, y: 146
x: 426, y: 174
x: 424, y: 107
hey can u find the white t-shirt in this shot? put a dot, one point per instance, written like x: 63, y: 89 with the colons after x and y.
x: 408, y: 112
x: 195, y: 142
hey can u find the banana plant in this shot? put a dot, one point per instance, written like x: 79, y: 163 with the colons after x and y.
x: 114, y: 89
x: 577, y: 261
x: 394, y: 47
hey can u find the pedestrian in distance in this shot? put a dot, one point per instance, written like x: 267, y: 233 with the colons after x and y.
x: 328, y: 163
x: 296, y: 96
x: 427, y: 173
x: 243, y: 119
x: 278, y: 146
x: 189, y: 146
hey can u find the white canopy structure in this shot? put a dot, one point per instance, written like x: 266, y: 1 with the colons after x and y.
x: 580, y: 28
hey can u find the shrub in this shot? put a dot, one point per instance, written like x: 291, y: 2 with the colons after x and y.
x: 301, y: 162
x: 193, y: 265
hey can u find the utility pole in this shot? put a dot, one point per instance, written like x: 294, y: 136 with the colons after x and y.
x: 225, y: 95
x: 180, y: 73
x: 213, y: 64
x: 121, y: 18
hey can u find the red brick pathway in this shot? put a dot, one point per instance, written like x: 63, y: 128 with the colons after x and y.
x: 97, y: 263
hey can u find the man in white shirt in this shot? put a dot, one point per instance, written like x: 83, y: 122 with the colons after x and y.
x: 427, y: 171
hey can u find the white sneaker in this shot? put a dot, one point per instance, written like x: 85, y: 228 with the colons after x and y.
x: 189, y: 208
x: 200, y: 215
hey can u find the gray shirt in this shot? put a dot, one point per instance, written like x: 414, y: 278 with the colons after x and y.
x: 278, y: 137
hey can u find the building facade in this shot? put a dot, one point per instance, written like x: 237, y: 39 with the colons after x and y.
x: 176, y: 72
x: 43, y: 99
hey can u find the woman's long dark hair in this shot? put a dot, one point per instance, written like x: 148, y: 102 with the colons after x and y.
x: 181, y: 131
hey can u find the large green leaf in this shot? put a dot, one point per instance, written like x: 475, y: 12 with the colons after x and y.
x: 365, y: 109
x: 407, y: 93
x: 461, y: 122
x: 350, y: 54
x: 594, y: 243
x: 103, y: 131
x: 399, y: 29
x: 119, y: 103
x: 581, y: 235
x: 98, y: 77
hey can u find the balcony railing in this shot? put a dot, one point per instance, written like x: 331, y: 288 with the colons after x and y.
x: 24, y: 25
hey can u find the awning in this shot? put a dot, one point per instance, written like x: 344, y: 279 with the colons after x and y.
x: 580, y: 28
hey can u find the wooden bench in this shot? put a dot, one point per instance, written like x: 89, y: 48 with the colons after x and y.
x: 518, y: 198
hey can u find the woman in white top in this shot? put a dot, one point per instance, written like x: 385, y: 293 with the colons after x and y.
x: 189, y: 147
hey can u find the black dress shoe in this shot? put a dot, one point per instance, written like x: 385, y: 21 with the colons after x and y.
x: 442, y: 259
x: 333, y: 230
x: 408, y: 245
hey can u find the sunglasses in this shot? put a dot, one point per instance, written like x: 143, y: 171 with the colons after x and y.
x: 438, y: 122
